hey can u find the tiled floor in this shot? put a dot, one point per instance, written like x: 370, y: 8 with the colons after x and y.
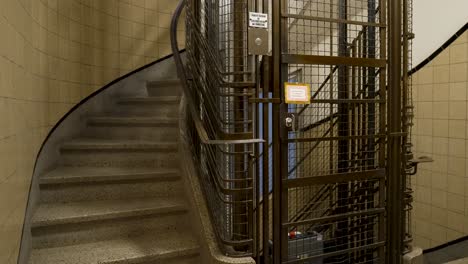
x: 451, y: 253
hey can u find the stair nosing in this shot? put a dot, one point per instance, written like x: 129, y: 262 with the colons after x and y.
x: 150, y: 100
x: 119, y: 145
x: 136, y: 212
x: 133, y: 121
x: 187, y: 250
x: 161, y: 175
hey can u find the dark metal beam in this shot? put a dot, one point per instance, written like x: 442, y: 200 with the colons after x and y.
x: 394, y: 181
x: 343, y: 127
x: 277, y: 123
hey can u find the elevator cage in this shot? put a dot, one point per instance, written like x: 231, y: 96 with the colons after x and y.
x: 333, y: 187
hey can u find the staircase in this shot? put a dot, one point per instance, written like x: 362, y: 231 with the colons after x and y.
x: 116, y: 194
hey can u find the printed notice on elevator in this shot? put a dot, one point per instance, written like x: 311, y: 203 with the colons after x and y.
x: 297, y: 93
x: 258, y: 20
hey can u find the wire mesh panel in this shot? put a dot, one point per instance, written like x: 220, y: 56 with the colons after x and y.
x: 334, y: 187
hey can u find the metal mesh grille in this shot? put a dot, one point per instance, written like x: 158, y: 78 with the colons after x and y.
x: 336, y: 161
x: 318, y: 219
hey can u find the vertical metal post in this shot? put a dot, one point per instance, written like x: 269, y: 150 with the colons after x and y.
x: 371, y: 10
x: 343, y: 89
x: 256, y: 6
x: 343, y: 126
x: 266, y: 151
x: 382, y: 120
x: 371, y: 46
x: 266, y: 161
x: 277, y: 123
x: 395, y: 183
x: 283, y: 133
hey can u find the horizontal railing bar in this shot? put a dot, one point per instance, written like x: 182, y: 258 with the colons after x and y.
x: 237, y: 73
x: 332, y: 60
x: 337, y: 217
x: 333, y: 178
x: 239, y: 84
x: 347, y: 101
x: 333, y: 20
x: 241, y: 137
x: 312, y: 139
x: 245, y: 242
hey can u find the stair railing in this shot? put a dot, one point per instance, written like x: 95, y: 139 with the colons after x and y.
x: 216, y: 85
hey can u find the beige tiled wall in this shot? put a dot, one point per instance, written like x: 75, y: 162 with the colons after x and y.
x: 441, y: 131
x: 53, y: 53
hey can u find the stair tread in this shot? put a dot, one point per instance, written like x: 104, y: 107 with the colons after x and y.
x: 75, y: 212
x: 135, y: 118
x: 90, y: 143
x: 149, y: 100
x: 114, y: 120
x: 96, y: 174
x: 140, y: 249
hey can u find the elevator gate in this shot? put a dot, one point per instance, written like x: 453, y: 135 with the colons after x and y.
x: 334, y: 189
x: 340, y: 181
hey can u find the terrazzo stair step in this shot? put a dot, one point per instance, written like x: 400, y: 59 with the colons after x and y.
x: 164, y: 88
x: 149, y: 248
x: 110, y: 190
x: 133, y: 122
x: 119, y: 153
x: 68, y: 213
x: 134, y: 128
x: 60, y: 224
x: 70, y: 175
x: 162, y: 106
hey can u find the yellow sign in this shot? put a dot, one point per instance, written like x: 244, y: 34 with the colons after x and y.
x: 297, y: 93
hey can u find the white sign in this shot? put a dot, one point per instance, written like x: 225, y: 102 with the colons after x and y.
x: 258, y: 20
x: 297, y: 93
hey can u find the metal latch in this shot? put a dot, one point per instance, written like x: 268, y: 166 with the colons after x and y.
x: 290, y: 122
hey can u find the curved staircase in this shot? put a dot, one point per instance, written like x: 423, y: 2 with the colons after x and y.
x: 116, y: 194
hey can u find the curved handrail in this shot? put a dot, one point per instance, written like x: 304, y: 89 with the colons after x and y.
x: 183, y: 76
